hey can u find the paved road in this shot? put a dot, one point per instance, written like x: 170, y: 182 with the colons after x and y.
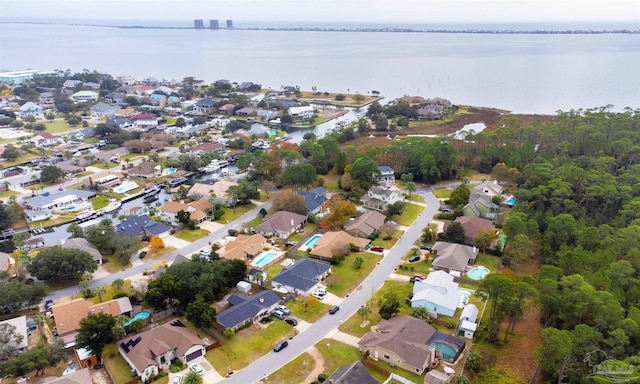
x: 323, y: 327
x: 191, y: 248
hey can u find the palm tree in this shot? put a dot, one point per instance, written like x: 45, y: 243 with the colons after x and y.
x: 192, y: 378
x: 99, y: 290
x: 40, y: 319
x: 212, y: 200
x: 364, y: 312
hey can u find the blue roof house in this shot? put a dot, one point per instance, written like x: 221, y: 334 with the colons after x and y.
x: 143, y: 226
x: 314, y: 199
x: 247, y: 310
x: 387, y: 177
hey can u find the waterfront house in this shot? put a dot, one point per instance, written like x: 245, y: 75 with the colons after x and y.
x: 281, y: 224
x: 197, y: 210
x: 266, y: 114
x: 145, y: 169
x: 335, y: 243
x: 301, y: 113
x: 247, y: 310
x: 386, y: 178
x: 365, y: 224
x: 301, y: 278
x: 33, y: 243
x: 143, y: 227
x: 219, y: 188
x: 207, y: 148
x: 453, y: 257
x: 70, y: 200
x: 314, y: 199
x: 378, y: 198
x: 82, y: 244
x: 30, y: 109
x: 438, y: 293
x: 84, y: 96
x: 150, y: 351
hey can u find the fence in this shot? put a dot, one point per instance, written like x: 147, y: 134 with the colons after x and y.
x: 398, y: 378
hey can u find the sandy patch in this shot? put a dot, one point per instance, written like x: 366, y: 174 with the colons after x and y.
x: 12, y: 133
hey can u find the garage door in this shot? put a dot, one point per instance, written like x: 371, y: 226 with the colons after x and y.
x: 194, y: 355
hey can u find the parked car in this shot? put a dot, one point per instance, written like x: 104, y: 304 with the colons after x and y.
x: 415, y: 278
x: 425, y: 247
x: 377, y: 249
x: 280, y: 346
x: 413, y: 259
x: 48, y: 304
x: 283, y: 309
x: 279, y: 314
x: 195, y: 367
x: 291, y: 321
x: 318, y: 295
x: 177, y: 379
x: 333, y: 310
x: 445, y: 209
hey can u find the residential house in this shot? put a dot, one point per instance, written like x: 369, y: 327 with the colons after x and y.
x: 143, y: 90
x: 335, y: 243
x: 71, y: 83
x: 83, y: 245
x: 266, y: 114
x: 82, y: 376
x: 157, y: 98
x: 248, y: 86
x: 121, y: 122
x: 125, y: 112
x: 378, y: 198
x: 30, y: 109
x: 197, y: 210
x: 145, y: 169
x: 244, y: 247
x: 204, y: 106
x: 365, y: 224
x: 164, y: 89
x: 91, y: 85
x: 145, y: 120
x: 314, y: 199
x: 467, y: 325
x: 67, y: 315
x: 103, y: 110
x: 45, y: 139
x: 246, y: 111
x: 480, y: 200
x: 411, y: 100
x: 219, y: 188
x: 281, y: 224
x: 208, y: 148
x: 20, y: 325
x: 247, y: 310
x: 387, y: 177
x: 473, y: 227
x: 6, y: 261
x: 46, y: 100
x: 408, y: 343
x: 301, y: 278
x: 33, y: 243
x: 430, y: 112
x: 115, y: 97
x: 227, y: 109
x: 149, y: 352
x: 438, y: 293
x: 84, y: 96
x: 143, y: 227
x: 301, y: 113
x: 72, y: 199
x: 354, y: 373
x: 453, y: 257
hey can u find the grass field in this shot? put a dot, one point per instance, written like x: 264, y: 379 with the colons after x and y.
x: 99, y: 202
x: 187, y: 234
x: 307, y: 230
x: 229, y: 215
x: 248, y: 345
x: 59, y: 126
x: 7, y: 194
x: 113, y: 265
x: 345, y: 277
x: 409, y: 214
x: 117, y: 367
x: 336, y: 354
x: 293, y: 372
x: 315, y: 310
x: 442, y: 193
x: 386, y: 244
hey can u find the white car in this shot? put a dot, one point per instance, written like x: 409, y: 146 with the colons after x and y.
x: 318, y: 295
x: 195, y: 367
x: 177, y: 379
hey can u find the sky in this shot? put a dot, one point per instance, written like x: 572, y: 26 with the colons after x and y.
x: 476, y: 11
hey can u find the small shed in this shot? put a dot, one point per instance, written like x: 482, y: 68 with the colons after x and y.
x: 243, y: 287
x: 87, y: 359
x: 437, y: 377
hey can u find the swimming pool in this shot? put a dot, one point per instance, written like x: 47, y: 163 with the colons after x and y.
x: 448, y: 352
x: 75, y: 207
x: 169, y: 171
x: 478, y: 273
x: 125, y: 187
x: 312, y: 241
x: 266, y: 258
x: 511, y: 200
x: 273, y: 132
x: 139, y: 316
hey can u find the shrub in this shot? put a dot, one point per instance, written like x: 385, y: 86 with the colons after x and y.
x: 142, y: 254
x: 119, y: 295
x: 340, y: 97
x: 322, y: 377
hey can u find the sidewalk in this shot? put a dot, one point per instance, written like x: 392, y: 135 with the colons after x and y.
x: 344, y: 337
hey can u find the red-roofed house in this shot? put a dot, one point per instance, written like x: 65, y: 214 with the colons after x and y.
x: 145, y: 120
x: 45, y: 139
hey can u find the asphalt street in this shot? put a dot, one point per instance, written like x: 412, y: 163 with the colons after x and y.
x: 273, y: 361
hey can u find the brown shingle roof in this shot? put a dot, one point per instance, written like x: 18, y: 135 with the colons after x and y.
x: 365, y: 224
x: 473, y: 225
x: 280, y: 221
x: 332, y: 242
x: 453, y: 256
x: 244, y: 245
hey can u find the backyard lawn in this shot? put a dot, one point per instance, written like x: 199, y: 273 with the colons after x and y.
x: 353, y: 325
x: 190, y: 235
x: 229, y: 215
x: 345, y: 277
x: 248, y: 345
x: 415, y: 197
x: 100, y: 201
x: 293, y: 372
x: 112, y: 265
x: 59, y: 126
x: 409, y: 214
x: 310, y: 227
x: 386, y: 244
x: 117, y: 367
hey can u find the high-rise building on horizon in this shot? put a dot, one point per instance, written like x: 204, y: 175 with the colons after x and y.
x: 229, y: 24
x: 214, y: 24
x: 198, y: 24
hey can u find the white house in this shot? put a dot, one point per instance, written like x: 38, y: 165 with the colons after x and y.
x: 468, y: 319
x: 438, y: 293
x: 387, y: 177
x: 305, y: 112
x: 30, y: 109
x: 378, y: 198
x: 83, y: 96
x: 45, y: 139
x: 145, y: 120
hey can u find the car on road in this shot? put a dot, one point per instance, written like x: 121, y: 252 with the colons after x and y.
x: 177, y: 379
x: 283, y: 309
x: 377, y: 249
x: 279, y: 314
x: 425, y: 247
x: 333, y: 310
x: 292, y: 321
x: 195, y: 367
x: 445, y: 209
x: 280, y: 346
x: 413, y: 259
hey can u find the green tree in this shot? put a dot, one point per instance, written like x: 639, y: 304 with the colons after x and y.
x: 201, y: 314
x: 454, y: 233
x: 389, y: 305
x: 183, y: 216
x: 460, y: 195
x: 61, y: 264
x: 99, y: 290
x: 51, y: 174
x: 299, y: 175
x: 357, y: 262
x: 364, y: 171
x: 101, y: 236
x: 9, y: 339
x: 95, y: 332
x: 339, y: 97
x: 73, y: 120
x: 10, y: 153
x: 20, y: 238
x: 410, y: 187
x: 125, y: 246
x: 554, y: 355
x: 364, y: 312
x: 394, y: 208
x: 499, y: 289
x: 118, y: 284
x: 518, y: 249
x: 420, y: 313
x: 75, y: 230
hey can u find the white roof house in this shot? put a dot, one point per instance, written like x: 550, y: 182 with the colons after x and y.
x: 302, y: 112
x: 20, y: 324
x: 438, y: 293
x: 468, y: 320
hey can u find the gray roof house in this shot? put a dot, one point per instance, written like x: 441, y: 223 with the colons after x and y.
x: 365, y: 224
x: 453, y: 257
x: 281, y: 223
x: 314, y: 199
x: 102, y: 109
x: 114, y: 97
x: 143, y: 226
x: 20, y: 324
x: 30, y: 109
x: 354, y: 373
x: 204, y: 106
x: 83, y: 245
x: 247, y: 310
x: 59, y: 199
x: 302, y: 277
x: 378, y: 198
x: 468, y: 318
